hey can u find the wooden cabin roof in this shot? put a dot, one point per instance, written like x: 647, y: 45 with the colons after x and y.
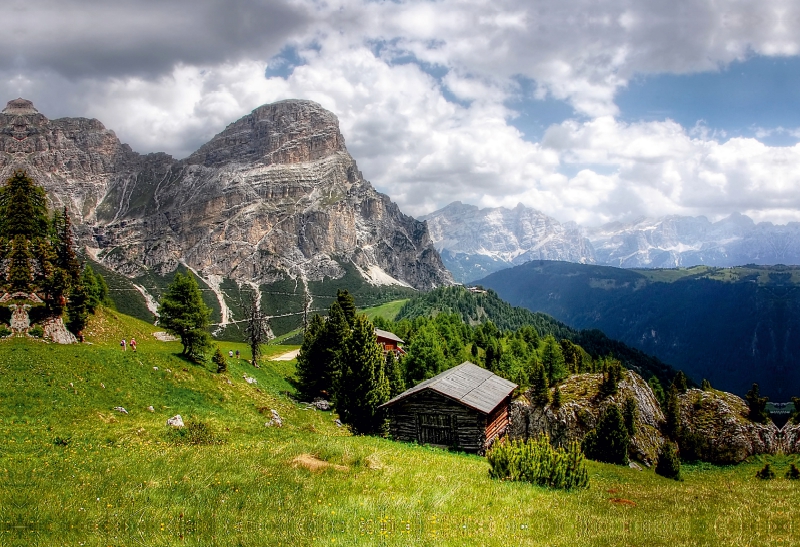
x: 388, y: 335
x: 468, y: 384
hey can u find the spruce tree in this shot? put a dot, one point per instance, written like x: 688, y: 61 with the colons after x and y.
x: 220, y: 361
x: 611, y: 378
x: 705, y: 385
x: 556, y: 398
x: 669, y: 464
x: 758, y: 406
x: 553, y: 360
x: 608, y: 442
x: 361, y: 384
x: 680, y: 382
x: 23, y: 209
x: 540, y: 392
x: 630, y: 413
x: 394, y: 373
x: 425, y: 356
x: 312, y: 374
x: 183, y: 313
x: 20, y: 273
x: 672, y: 414
x: 348, y: 304
x: 78, y: 308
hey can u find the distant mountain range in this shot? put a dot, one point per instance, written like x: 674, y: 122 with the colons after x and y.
x: 732, y: 326
x: 475, y: 242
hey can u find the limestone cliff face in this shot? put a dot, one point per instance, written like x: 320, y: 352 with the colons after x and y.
x: 275, y: 194
x: 581, y: 409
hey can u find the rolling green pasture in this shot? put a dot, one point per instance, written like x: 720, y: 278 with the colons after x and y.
x: 76, y: 472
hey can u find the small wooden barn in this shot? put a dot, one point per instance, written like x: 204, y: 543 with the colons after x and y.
x: 465, y: 407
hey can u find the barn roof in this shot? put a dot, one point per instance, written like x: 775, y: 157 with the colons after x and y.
x: 468, y: 384
x: 389, y: 335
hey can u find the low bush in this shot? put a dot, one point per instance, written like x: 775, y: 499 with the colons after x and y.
x: 537, y: 462
x: 36, y: 331
x: 793, y: 473
x: 766, y: 473
x: 4, y: 331
x: 194, y: 433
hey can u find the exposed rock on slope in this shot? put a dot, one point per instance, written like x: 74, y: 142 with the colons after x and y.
x: 275, y: 194
x: 581, y: 408
x: 716, y: 428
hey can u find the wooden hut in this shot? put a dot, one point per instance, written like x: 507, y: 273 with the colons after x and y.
x: 389, y: 341
x: 465, y: 408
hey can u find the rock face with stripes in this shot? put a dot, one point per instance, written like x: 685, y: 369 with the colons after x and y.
x: 274, y: 195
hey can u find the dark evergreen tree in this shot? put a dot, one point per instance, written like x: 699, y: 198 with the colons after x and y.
x: 669, y: 464
x: 361, y: 384
x: 183, y: 313
x: 680, y: 382
x: 793, y: 473
x: 553, y: 360
x: 556, y: 398
x: 611, y: 378
x: 658, y: 390
x: 220, y: 361
x: 608, y: 442
x: 348, y: 304
x: 394, y: 373
x: 23, y: 209
x: 672, y: 414
x: 20, y: 273
x: 78, y: 308
x: 540, y: 392
x: 425, y: 357
x: 630, y: 413
x: 258, y: 331
x: 758, y: 406
x: 795, y: 416
x: 705, y: 385
x: 313, y: 375
x: 572, y: 356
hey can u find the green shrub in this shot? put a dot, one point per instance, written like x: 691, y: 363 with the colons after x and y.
x: 220, y: 361
x: 194, y: 433
x: 766, y: 473
x: 4, y: 331
x: 793, y: 473
x: 669, y: 464
x: 36, y: 331
x: 537, y: 462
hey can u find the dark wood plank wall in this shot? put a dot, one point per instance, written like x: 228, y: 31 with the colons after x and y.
x: 469, y: 425
x: 497, y: 421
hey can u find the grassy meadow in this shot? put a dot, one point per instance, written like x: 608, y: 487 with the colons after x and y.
x: 77, y: 472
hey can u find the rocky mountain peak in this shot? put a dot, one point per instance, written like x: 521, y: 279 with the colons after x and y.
x: 19, y: 107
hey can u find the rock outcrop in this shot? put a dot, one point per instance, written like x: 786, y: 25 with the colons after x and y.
x: 581, y: 408
x: 274, y: 195
x: 716, y: 428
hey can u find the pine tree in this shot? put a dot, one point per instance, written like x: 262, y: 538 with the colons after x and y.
x: 611, y: 378
x: 758, y: 406
x: 553, y: 360
x: 394, y: 373
x: 78, y: 308
x: 425, y: 356
x: 361, y: 384
x: 183, y: 313
x: 23, y: 209
x: 705, y: 385
x: 608, y: 442
x: 672, y: 414
x: 766, y: 473
x: 20, y: 273
x: 311, y: 367
x: 630, y: 413
x: 258, y: 331
x: 540, y: 392
x: 556, y: 398
x: 793, y: 473
x: 680, y: 382
x: 348, y: 304
x: 220, y: 361
x: 669, y: 464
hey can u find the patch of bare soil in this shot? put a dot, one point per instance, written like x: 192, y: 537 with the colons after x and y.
x: 623, y: 501
x: 312, y: 463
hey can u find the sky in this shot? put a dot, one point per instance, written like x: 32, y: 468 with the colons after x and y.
x: 588, y: 110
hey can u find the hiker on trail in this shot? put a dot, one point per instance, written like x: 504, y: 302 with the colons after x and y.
x: 133, y: 344
x: 124, y: 345
x: 237, y: 353
x: 230, y: 353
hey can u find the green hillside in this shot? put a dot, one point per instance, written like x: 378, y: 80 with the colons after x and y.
x: 77, y: 472
x: 733, y: 326
x: 477, y: 307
